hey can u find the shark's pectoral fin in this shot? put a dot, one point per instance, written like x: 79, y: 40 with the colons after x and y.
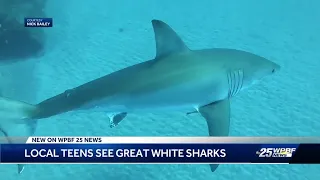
x: 167, y: 40
x: 217, y: 115
x: 116, y: 118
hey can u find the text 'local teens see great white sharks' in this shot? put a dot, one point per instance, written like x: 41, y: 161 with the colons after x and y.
x: 177, y: 78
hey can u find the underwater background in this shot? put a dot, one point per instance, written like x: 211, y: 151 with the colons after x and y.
x: 90, y: 39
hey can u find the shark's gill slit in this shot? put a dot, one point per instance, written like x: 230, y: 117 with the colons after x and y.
x: 236, y: 74
x: 242, y: 76
x: 239, y: 82
x: 230, y: 84
x: 233, y: 83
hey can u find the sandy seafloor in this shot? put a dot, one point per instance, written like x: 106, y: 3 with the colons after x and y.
x: 85, y: 43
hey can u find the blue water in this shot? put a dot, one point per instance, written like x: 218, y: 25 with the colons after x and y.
x: 93, y: 38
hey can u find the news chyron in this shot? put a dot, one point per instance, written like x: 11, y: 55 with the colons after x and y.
x: 38, y: 22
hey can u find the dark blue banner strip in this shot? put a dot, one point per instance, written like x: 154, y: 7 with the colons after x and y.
x: 160, y: 153
x: 307, y: 154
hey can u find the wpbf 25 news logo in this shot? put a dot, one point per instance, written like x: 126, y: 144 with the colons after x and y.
x: 276, y: 152
x: 38, y: 22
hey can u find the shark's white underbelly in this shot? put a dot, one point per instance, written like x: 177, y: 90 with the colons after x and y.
x: 185, y: 97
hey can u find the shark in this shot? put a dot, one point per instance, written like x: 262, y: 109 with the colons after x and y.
x: 176, y: 79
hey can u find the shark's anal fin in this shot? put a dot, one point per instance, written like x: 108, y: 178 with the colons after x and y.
x: 167, y: 40
x: 217, y: 115
x: 116, y: 118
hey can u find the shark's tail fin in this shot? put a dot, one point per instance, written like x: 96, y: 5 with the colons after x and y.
x: 13, y: 116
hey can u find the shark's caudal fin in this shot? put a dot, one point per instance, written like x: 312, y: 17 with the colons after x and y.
x: 217, y: 115
x: 13, y: 114
x: 167, y: 40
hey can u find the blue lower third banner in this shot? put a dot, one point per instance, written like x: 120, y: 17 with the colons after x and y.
x: 160, y: 153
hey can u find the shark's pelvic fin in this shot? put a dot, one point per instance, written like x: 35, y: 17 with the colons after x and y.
x: 217, y: 115
x: 115, y: 119
x: 167, y: 40
x: 192, y: 112
x: 14, y: 113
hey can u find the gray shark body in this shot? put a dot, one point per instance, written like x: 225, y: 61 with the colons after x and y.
x: 177, y: 79
x: 180, y: 82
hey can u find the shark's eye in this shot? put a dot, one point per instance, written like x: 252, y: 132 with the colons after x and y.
x: 273, y: 70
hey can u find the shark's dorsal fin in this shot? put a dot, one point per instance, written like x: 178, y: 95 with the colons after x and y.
x: 167, y: 40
